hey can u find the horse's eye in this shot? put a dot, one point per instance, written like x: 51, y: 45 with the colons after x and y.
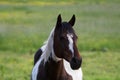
x: 63, y: 37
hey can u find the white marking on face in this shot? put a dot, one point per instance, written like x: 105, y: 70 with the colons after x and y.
x: 76, y: 74
x: 70, y: 36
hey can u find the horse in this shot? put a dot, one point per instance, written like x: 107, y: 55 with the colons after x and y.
x: 59, y: 58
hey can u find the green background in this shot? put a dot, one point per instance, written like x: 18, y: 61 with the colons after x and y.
x: 26, y: 24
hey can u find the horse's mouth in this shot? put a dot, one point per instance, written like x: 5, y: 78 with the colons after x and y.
x: 75, y: 63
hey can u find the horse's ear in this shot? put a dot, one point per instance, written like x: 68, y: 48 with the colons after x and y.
x: 72, y: 20
x: 59, y: 21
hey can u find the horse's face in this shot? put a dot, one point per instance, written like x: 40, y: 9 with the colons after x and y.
x: 65, y: 42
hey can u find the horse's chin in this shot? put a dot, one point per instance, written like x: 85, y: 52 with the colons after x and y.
x: 75, y: 63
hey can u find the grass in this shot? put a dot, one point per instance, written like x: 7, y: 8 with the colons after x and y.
x: 25, y: 25
x: 101, y: 66
x: 29, y: 25
x: 96, y: 66
x: 13, y: 67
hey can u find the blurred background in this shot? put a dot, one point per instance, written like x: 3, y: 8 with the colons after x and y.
x: 26, y: 24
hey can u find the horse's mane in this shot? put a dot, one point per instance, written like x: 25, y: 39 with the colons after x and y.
x: 48, y: 50
x: 48, y: 47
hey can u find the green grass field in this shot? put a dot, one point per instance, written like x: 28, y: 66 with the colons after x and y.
x: 25, y: 25
x: 96, y: 66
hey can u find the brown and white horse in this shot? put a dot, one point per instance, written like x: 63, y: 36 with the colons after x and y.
x: 59, y: 58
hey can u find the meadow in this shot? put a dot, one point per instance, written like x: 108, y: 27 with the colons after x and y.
x: 25, y: 25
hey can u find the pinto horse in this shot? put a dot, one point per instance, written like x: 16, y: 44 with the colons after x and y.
x: 59, y: 58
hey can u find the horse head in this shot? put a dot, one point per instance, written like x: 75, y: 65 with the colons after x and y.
x: 65, y: 41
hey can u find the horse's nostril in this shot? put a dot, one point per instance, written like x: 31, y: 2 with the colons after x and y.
x: 75, y: 60
x: 75, y: 63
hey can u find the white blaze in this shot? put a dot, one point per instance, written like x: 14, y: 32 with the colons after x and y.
x: 76, y: 74
x: 70, y: 36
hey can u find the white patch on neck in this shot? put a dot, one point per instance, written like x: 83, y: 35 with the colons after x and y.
x: 35, y: 70
x: 76, y: 74
x: 55, y: 58
x: 47, y: 49
x: 70, y: 36
x: 36, y: 67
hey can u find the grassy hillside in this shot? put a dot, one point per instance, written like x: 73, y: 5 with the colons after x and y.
x: 26, y: 24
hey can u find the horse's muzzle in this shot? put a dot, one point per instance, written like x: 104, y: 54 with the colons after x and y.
x: 75, y: 63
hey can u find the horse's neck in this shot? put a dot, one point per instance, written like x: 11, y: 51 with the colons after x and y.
x: 53, y: 66
x: 55, y: 70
